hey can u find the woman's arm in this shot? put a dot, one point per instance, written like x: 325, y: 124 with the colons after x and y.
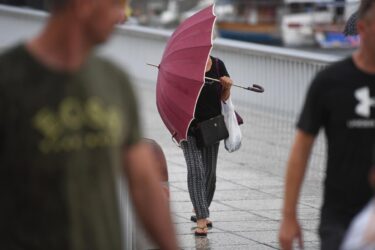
x: 226, y: 82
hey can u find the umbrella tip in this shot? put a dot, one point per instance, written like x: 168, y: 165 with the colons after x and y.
x: 153, y: 65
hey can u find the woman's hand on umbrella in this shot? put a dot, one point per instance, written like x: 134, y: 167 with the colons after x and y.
x: 226, y: 82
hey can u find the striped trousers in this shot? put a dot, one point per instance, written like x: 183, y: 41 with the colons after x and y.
x: 201, y: 166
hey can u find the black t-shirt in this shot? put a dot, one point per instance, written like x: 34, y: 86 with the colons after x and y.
x: 341, y: 99
x: 209, y: 101
x: 61, y: 140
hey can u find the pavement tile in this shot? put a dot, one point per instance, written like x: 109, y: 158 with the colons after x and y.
x: 271, y: 236
x: 181, y: 218
x: 224, y: 240
x: 186, y: 206
x: 262, y: 247
x: 175, y: 169
x: 238, y: 195
x: 173, y: 189
x: 307, y: 245
x: 274, y: 191
x: 230, y: 216
x: 178, y: 162
x: 223, y: 185
x: 182, y: 185
x: 248, y: 226
x: 314, y: 245
x: 314, y: 202
x: 309, y: 224
x: 179, y: 196
x: 216, y: 207
x: 259, y: 204
x: 268, y: 236
x: 303, y: 213
x: 178, y: 177
x: 240, y: 173
x: 262, y: 183
x: 181, y: 206
x: 239, y: 247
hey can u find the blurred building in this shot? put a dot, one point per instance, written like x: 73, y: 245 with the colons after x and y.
x: 36, y: 4
x: 290, y: 23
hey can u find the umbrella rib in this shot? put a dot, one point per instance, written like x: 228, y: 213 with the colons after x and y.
x: 186, y: 29
x: 173, y: 111
x: 183, y: 77
x: 201, y: 83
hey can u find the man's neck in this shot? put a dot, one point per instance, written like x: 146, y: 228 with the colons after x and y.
x: 364, y: 61
x: 61, y: 45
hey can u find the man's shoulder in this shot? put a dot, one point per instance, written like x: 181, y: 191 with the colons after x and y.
x: 109, y: 67
x: 114, y: 73
x: 11, y: 60
x: 338, y: 67
x: 334, y: 72
x: 12, y: 54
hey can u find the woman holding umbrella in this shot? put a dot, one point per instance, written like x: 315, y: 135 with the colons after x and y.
x: 183, y: 100
x: 201, y: 161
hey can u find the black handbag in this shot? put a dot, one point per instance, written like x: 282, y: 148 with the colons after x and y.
x: 211, y: 131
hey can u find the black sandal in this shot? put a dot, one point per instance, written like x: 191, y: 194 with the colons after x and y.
x: 193, y: 218
x: 203, y: 234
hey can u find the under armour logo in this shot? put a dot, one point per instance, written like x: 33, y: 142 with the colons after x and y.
x: 365, y: 102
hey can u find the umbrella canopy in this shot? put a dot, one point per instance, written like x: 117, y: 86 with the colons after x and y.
x: 351, y: 25
x: 182, y: 71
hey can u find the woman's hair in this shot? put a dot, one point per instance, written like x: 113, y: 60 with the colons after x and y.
x: 365, y: 7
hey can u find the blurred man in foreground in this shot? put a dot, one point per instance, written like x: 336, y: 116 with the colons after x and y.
x: 68, y: 129
x: 341, y: 99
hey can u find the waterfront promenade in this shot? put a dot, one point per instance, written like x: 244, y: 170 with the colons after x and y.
x: 246, y: 207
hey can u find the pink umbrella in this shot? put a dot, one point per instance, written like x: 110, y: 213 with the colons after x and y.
x: 182, y: 72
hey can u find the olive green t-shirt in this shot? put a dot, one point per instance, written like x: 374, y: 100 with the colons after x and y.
x: 61, y: 139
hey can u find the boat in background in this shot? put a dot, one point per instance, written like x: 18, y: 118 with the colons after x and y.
x: 291, y: 23
x: 321, y: 23
x: 250, y: 21
x: 332, y: 37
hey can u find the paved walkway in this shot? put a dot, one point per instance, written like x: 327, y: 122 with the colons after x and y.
x: 246, y: 206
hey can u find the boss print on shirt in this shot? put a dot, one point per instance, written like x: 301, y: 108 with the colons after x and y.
x: 76, y: 125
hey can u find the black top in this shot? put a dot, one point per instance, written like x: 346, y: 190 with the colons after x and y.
x: 341, y: 99
x: 209, y: 102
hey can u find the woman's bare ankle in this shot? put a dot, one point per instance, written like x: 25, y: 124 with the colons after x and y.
x: 201, y: 222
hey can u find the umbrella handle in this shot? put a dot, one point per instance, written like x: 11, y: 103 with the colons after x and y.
x: 256, y: 88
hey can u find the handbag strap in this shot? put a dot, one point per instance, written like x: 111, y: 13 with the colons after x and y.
x: 217, y: 66
x: 219, y: 75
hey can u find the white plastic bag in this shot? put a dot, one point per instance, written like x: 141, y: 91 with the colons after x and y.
x: 233, y: 142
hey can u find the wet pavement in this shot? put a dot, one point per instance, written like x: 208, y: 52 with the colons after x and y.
x: 246, y: 207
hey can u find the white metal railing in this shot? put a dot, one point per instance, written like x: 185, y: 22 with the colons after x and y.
x: 284, y: 73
